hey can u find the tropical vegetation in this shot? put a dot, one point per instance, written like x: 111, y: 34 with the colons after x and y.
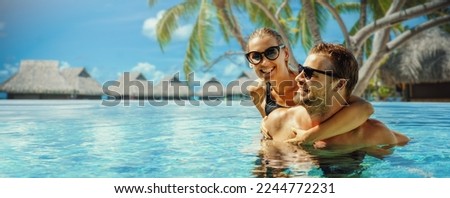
x: 378, y: 32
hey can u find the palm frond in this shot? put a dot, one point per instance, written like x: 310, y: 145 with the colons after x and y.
x: 201, y: 39
x: 226, y: 18
x: 223, y: 28
x: 347, y: 7
x: 322, y: 15
x: 258, y: 16
x: 305, y: 34
x: 379, y: 8
x: 169, y: 21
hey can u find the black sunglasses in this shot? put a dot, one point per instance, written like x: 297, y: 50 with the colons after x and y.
x: 310, y: 71
x: 270, y: 53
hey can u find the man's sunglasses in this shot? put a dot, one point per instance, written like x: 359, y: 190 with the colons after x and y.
x: 270, y: 53
x: 310, y: 71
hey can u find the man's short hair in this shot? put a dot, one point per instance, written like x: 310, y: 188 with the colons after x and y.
x: 344, y: 63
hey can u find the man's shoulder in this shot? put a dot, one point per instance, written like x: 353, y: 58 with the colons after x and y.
x: 298, y: 113
x: 299, y: 109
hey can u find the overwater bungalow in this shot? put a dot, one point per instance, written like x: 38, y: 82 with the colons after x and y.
x: 42, y: 79
x: 130, y: 86
x: 420, y: 69
x: 85, y: 86
x: 237, y: 89
x: 211, y: 90
x: 171, y: 88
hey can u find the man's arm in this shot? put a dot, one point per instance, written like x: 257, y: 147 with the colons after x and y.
x: 401, y: 139
x: 372, y: 133
x: 347, y: 119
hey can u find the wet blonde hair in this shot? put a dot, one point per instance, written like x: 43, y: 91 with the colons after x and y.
x: 265, y: 31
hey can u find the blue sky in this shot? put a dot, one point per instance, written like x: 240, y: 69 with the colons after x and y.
x: 108, y: 37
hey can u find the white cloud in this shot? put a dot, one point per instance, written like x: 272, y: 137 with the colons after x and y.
x: 150, y: 72
x: 183, y: 32
x: 149, y: 28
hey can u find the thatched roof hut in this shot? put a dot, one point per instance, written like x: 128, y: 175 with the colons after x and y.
x: 421, y: 67
x: 131, y: 85
x: 38, y: 79
x: 212, y: 89
x: 42, y: 79
x: 238, y: 87
x: 85, y: 86
x: 172, y: 88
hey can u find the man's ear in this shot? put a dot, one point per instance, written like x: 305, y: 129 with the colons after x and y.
x: 341, y: 84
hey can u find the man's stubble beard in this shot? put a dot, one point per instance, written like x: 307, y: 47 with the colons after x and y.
x: 315, y: 105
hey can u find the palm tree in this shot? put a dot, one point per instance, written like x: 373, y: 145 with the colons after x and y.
x: 308, y: 25
x: 263, y: 12
x: 201, y: 38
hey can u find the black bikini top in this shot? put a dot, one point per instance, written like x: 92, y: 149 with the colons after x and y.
x: 271, y: 104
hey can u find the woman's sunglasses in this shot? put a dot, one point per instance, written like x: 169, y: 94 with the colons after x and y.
x: 270, y: 53
x: 310, y: 71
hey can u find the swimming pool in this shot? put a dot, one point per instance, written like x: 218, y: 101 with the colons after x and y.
x: 87, y: 139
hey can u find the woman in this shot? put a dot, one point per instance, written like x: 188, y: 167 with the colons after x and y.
x: 268, y: 57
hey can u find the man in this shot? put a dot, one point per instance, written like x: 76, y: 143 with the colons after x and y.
x: 325, y: 82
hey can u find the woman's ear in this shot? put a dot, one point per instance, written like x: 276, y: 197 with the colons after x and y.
x: 286, y: 58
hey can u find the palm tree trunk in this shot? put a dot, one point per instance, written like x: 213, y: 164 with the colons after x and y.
x: 224, y: 11
x: 362, y: 23
x: 361, y: 36
x: 373, y: 62
x: 312, y: 21
x: 338, y: 18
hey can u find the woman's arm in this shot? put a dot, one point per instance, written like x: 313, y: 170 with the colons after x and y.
x: 257, y: 94
x: 346, y: 119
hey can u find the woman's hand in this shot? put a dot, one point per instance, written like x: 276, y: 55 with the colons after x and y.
x: 298, y: 135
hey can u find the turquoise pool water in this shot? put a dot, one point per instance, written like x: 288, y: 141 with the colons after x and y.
x: 86, y: 139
